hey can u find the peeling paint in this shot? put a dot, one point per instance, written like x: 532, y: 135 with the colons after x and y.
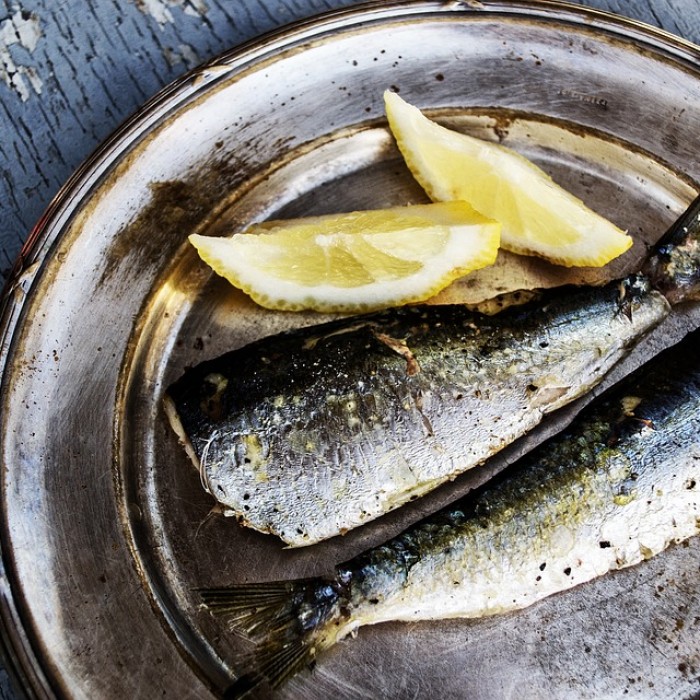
x: 160, y: 10
x: 184, y: 54
x: 23, y: 29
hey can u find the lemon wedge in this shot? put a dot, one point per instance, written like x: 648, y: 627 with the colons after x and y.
x: 538, y: 216
x: 357, y: 261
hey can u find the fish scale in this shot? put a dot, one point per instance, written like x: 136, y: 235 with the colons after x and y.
x: 425, y: 392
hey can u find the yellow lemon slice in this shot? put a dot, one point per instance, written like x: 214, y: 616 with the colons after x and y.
x: 354, y: 262
x: 538, y: 216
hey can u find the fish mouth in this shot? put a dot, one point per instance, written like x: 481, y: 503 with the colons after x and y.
x: 176, y: 424
x: 175, y: 421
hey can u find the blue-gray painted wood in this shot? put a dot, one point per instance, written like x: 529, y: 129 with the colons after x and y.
x: 72, y: 71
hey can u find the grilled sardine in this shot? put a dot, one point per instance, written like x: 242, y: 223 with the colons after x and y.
x: 310, y: 433
x: 617, y: 487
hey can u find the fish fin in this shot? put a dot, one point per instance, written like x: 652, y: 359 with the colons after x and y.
x: 273, y: 665
x: 251, y: 607
x: 269, y: 614
x: 400, y: 347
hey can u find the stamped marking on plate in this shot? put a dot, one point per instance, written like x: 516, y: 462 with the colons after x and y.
x: 601, y: 102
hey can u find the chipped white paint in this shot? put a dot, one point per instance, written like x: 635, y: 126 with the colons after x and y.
x: 160, y: 10
x: 188, y: 55
x: 184, y: 54
x: 196, y: 8
x: 22, y: 29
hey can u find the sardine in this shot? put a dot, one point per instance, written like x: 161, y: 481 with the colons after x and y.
x: 310, y: 433
x: 617, y: 487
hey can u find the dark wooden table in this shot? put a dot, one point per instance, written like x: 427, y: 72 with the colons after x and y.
x: 72, y: 71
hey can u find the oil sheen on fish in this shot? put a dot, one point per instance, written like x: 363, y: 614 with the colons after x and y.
x: 617, y: 487
x: 310, y: 433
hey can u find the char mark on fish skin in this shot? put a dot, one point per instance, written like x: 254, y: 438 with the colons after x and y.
x: 418, y: 403
x: 632, y: 289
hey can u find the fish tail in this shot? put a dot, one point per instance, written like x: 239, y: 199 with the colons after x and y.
x: 673, y: 268
x: 285, y: 619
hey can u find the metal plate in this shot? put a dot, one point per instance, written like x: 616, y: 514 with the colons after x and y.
x: 105, y: 528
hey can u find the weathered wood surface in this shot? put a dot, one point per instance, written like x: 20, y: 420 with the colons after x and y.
x: 72, y: 71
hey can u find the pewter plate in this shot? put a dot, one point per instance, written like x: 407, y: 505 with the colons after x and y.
x: 106, y: 531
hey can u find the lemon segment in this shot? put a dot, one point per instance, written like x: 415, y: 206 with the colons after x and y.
x: 357, y: 261
x: 538, y: 216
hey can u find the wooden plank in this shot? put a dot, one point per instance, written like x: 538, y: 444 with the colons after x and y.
x: 71, y: 72
x: 680, y: 18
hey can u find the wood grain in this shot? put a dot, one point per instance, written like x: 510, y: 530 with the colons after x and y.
x: 72, y: 71
x: 91, y: 66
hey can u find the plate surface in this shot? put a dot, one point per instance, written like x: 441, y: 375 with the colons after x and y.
x: 106, y: 531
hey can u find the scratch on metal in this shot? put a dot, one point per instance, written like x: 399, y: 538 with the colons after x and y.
x: 21, y: 28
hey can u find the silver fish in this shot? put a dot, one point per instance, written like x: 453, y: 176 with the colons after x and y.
x: 310, y: 433
x: 617, y: 487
